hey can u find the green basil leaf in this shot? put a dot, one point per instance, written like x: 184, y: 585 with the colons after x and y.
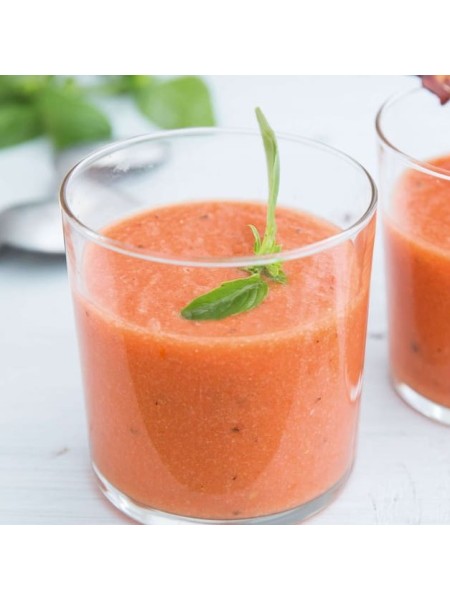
x: 20, y: 87
x: 275, y: 272
x: 18, y: 123
x: 174, y: 103
x: 273, y: 172
x: 69, y: 119
x: 257, y: 244
x: 239, y: 295
x: 230, y: 298
x: 115, y: 85
x: 269, y: 244
x: 133, y: 83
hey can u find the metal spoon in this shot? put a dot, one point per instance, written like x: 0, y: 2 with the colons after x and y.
x: 36, y: 225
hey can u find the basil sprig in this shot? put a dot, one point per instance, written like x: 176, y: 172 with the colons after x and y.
x: 62, y: 107
x: 268, y: 244
x: 230, y: 298
x: 240, y: 295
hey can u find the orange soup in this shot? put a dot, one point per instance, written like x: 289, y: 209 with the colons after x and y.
x: 246, y: 416
x: 418, y: 266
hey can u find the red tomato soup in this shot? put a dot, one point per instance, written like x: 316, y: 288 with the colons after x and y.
x: 246, y: 416
x: 417, y: 233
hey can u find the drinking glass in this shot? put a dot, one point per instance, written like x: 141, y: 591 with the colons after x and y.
x: 250, y: 419
x: 414, y: 146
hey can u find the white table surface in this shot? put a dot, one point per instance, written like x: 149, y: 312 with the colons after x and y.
x: 402, y: 471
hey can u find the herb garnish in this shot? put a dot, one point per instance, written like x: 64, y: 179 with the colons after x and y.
x: 239, y: 295
x: 64, y: 109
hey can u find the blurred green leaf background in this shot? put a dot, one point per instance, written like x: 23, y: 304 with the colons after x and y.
x: 63, y: 108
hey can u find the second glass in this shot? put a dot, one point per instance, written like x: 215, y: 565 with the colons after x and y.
x: 414, y: 142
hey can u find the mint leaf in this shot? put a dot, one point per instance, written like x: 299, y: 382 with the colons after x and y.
x: 18, y: 123
x: 175, y: 103
x: 69, y: 119
x: 230, y: 298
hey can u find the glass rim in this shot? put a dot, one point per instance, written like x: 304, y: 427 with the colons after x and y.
x: 240, y: 261
x: 419, y: 165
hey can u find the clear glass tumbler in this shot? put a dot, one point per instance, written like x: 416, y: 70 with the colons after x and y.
x: 414, y: 149
x: 248, y: 419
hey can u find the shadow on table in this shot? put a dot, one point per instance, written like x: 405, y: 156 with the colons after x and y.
x: 23, y: 260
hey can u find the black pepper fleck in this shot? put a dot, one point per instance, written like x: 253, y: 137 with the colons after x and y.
x: 61, y: 452
x: 346, y: 217
x: 414, y: 347
x: 377, y: 335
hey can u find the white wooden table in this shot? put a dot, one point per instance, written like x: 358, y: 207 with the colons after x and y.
x: 402, y: 472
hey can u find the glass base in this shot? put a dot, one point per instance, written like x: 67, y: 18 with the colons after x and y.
x: 424, y: 405
x: 150, y: 516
